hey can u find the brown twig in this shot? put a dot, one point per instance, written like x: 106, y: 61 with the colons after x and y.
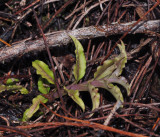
x: 138, y: 126
x: 79, y: 123
x: 61, y: 37
x: 50, y: 58
x: 86, y: 12
x: 64, y: 6
x: 149, y: 78
x: 27, y: 7
x: 15, y: 130
x: 130, y: 29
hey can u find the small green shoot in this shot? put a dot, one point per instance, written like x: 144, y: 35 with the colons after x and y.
x: 12, y: 86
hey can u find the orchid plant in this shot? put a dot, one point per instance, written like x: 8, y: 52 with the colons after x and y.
x: 106, y: 76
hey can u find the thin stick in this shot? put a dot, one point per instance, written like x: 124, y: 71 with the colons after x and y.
x: 50, y: 58
x: 61, y: 37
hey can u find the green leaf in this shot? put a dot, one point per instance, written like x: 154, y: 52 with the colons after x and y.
x: 112, y: 66
x: 105, y: 70
x: 109, y: 73
x: 95, y: 96
x: 80, y: 67
x: 12, y: 81
x: 121, y: 60
x: 105, y: 77
x: 74, y: 94
x: 43, y: 85
x: 34, y: 107
x: 2, y: 88
x: 113, y: 89
x: 121, y: 81
x: 23, y: 90
x: 43, y: 70
x: 13, y: 88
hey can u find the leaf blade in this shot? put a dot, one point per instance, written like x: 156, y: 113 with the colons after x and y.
x: 80, y: 67
x: 74, y: 94
x: 112, y: 66
x: 13, y: 88
x: 106, y: 69
x: 95, y: 96
x: 43, y: 85
x: 43, y: 70
x: 121, y: 59
x: 121, y: 81
x: 114, y: 90
x: 34, y: 107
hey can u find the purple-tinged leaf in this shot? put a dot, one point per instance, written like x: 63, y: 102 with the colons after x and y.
x: 74, y: 94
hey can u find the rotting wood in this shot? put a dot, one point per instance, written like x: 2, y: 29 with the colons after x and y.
x: 61, y: 37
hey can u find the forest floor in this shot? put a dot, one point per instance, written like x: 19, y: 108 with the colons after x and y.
x: 43, y: 68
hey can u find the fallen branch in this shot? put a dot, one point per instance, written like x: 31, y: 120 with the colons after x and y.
x: 61, y: 37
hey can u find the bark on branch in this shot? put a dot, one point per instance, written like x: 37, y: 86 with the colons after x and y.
x: 61, y: 37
